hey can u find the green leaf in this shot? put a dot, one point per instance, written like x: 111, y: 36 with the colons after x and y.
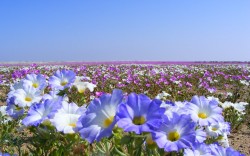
x: 126, y: 140
x: 120, y: 153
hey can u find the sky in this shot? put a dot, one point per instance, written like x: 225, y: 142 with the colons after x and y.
x: 124, y: 30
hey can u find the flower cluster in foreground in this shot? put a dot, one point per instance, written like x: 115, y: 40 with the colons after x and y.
x: 194, y: 127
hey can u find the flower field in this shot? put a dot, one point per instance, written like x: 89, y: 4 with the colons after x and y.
x: 124, y: 109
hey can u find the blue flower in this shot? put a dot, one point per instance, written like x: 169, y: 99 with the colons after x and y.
x: 62, y: 79
x: 36, y: 81
x: 203, y: 111
x: 221, y: 151
x: 100, y: 117
x: 198, y: 150
x: 175, y: 133
x: 140, y: 114
x: 201, y: 136
x: 4, y: 154
x: 12, y: 109
x: 40, y: 112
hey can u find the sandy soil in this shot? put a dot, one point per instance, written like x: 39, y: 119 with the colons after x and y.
x: 240, y: 140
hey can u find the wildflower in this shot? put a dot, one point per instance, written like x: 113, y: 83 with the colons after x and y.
x: 140, y: 114
x: 40, y: 112
x: 203, y: 111
x: 217, y: 129
x: 198, y: 150
x: 200, y: 136
x: 82, y: 86
x: 26, y: 96
x: 12, y: 109
x: 175, y: 133
x: 223, y: 140
x: 4, y: 154
x: 62, y: 79
x: 66, y: 117
x: 162, y: 96
x: 53, y: 95
x: 100, y: 117
x: 220, y: 151
x: 36, y: 81
x: 4, y: 114
x: 226, y: 104
x: 240, y: 107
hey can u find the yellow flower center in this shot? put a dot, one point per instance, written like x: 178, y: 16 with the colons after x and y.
x: 72, y: 125
x: 108, y: 121
x: 173, y: 136
x: 28, y: 99
x: 214, y: 129
x: 35, y: 85
x: 139, y: 120
x: 63, y: 83
x: 202, y: 115
x: 81, y: 90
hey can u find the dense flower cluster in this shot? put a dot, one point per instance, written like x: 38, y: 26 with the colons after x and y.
x: 196, y: 126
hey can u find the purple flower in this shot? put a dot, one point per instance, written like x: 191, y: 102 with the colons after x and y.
x: 140, y: 114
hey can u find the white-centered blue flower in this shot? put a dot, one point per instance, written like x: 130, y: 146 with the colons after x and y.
x: 175, y: 133
x: 221, y: 151
x: 40, y: 112
x: 140, y: 114
x: 100, y: 118
x: 12, y: 109
x: 200, y: 136
x: 36, y: 81
x: 203, y: 111
x: 216, y: 129
x: 53, y: 96
x: 198, y: 150
x: 62, y: 79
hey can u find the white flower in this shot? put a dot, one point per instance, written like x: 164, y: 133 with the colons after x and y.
x: 214, y: 130
x: 27, y: 96
x: 223, y: 141
x: 210, y: 98
x: 177, y: 82
x: 162, y: 96
x: 240, y: 107
x: 66, y: 118
x: 3, y: 113
x: 229, y: 94
x: 226, y: 104
x: 244, y: 82
x: 82, y: 86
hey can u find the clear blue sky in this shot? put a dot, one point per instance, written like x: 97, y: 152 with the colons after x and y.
x: 108, y: 30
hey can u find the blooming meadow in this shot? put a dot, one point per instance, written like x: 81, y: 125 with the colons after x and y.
x: 122, y: 110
